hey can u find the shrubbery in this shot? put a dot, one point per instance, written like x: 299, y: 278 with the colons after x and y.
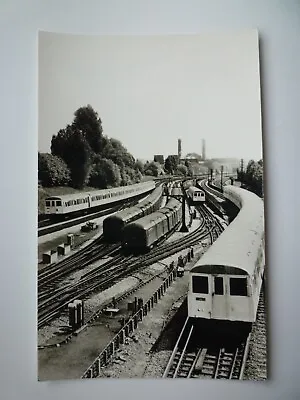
x: 81, y: 155
x: 253, y: 176
x: 53, y: 171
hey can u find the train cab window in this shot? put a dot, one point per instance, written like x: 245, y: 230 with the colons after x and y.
x: 238, y: 287
x: 219, y: 289
x: 53, y: 203
x: 48, y: 203
x: 200, y: 284
x: 58, y: 203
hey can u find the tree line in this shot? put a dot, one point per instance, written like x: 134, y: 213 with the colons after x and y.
x: 253, y: 176
x: 82, y: 155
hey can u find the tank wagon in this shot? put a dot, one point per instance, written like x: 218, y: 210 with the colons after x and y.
x: 225, y: 283
x: 114, y: 224
x: 73, y: 203
x: 143, y: 234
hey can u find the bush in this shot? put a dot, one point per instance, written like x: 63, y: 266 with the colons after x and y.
x: 52, y: 171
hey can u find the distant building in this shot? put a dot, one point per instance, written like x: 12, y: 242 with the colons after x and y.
x: 159, y: 158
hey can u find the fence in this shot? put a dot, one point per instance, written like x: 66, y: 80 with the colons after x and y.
x: 120, y: 338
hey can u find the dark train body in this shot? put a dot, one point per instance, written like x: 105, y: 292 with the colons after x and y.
x: 143, y: 234
x: 113, y: 225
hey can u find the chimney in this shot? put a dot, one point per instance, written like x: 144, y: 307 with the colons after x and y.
x: 203, y: 150
x: 179, y: 149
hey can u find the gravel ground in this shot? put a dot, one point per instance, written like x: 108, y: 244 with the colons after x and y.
x: 256, y: 368
x: 136, y: 359
x: 52, y: 240
x: 70, y: 360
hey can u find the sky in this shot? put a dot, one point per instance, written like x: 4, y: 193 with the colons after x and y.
x: 151, y: 90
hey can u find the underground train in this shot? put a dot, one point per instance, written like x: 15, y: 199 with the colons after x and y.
x: 195, y: 194
x: 114, y: 224
x: 72, y: 203
x: 225, y: 283
x: 143, y: 234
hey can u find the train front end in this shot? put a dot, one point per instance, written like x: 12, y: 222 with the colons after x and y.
x: 54, y: 206
x: 220, y: 293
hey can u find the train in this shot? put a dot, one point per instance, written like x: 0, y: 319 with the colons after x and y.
x: 225, y: 284
x: 73, y: 203
x: 140, y: 236
x: 195, y: 195
x: 114, y: 224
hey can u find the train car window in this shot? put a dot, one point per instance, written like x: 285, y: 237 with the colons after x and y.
x: 200, y: 284
x: 53, y: 203
x: 238, y: 286
x: 219, y: 288
x: 58, y: 203
x: 47, y: 203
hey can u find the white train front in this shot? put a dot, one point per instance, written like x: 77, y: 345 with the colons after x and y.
x: 225, y: 283
x: 195, y: 194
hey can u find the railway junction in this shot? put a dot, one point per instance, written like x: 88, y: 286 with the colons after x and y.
x: 134, y: 307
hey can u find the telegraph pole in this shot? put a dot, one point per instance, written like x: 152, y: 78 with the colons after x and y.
x: 183, y: 228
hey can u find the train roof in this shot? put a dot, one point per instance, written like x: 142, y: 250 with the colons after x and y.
x: 127, y: 212
x: 237, y: 247
x: 80, y: 195
x: 195, y: 189
x: 151, y: 219
x: 72, y: 196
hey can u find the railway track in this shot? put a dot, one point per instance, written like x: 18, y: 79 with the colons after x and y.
x: 46, y: 226
x: 216, y: 193
x: 52, y: 301
x: 188, y: 360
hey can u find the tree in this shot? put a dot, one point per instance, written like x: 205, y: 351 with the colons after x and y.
x: 52, y: 170
x: 153, y: 168
x: 254, y: 176
x: 115, y: 151
x: 139, y: 166
x: 182, y: 169
x: 87, y: 121
x: 82, y: 145
x: 171, y: 164
x: 105, y: 173
x: 72, y: 147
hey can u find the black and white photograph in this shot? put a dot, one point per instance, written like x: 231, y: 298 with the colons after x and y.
x: 151, y: 220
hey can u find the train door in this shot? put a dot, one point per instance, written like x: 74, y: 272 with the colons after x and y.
x: 219, y: 306
x: 89, y: 201
x: 238, y: 297
x: 201, y: 289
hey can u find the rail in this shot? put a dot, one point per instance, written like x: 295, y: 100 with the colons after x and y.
x: 169, y: 365
x: 119, y: 339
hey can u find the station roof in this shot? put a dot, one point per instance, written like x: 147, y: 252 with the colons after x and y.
x: 237, y: 247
